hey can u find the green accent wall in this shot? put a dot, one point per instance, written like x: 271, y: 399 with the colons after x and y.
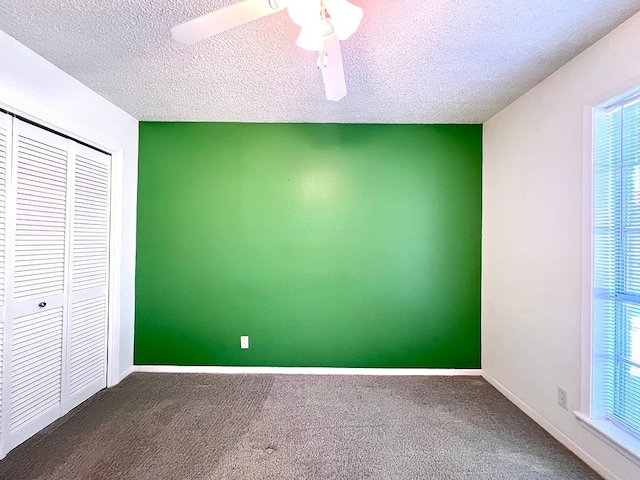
x: 328, y: 244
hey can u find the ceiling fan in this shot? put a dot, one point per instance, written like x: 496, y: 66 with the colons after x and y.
x: 323, y: 24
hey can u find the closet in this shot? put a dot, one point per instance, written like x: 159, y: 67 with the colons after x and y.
x: 54, y: 272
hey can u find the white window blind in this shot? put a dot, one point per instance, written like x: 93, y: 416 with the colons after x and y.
x: 616, y: 221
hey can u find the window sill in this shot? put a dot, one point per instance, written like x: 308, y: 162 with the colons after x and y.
x: 614, y: 436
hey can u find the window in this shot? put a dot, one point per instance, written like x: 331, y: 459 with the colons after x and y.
x: 616, y: 269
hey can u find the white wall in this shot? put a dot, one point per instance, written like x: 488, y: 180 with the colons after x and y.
x: 532, y: 240
x: 34, y: 88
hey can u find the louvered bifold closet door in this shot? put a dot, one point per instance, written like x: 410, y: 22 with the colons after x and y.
x: 37, y: 226
x: 88, y: 306
x: 5, y: 148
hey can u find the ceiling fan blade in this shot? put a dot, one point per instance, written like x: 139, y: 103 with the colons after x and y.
x: 335, y: 85
x: 224, y: 19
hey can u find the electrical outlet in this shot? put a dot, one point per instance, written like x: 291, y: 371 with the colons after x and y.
x: 562, y: 398
x: 244, y: 341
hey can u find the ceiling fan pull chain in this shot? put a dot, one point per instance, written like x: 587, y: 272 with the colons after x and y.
x: 323, y: 60
x: 323, y: 24
x: 324, y: 53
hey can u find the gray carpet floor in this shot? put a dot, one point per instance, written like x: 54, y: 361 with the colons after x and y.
x: 165, y: 426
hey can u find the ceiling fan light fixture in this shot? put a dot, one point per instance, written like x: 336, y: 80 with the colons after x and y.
x: 323, y: 24
x: 345, y: 17
x: 312, y: 37
x: 304, y: 12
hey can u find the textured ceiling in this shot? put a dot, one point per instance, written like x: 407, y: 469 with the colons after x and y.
x: 411, y: 61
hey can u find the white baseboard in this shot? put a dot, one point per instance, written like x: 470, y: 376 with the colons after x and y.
x: 555, y: 433
x: 126, y: 373
x: 309, y: 370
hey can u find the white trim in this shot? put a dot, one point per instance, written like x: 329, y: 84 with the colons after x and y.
x: 125, y: 374
x: 115, y: 270
x: 591, y: 404
x: 555, y: 432
x: 309, y: 370
x: 611, y: 434
x: 39, y: 121
x: 610, y: 95
x: 7, y: 331
x: 586, y: 350
x: 587, y: 325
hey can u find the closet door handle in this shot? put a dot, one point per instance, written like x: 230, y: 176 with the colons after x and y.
x: 42, y: 304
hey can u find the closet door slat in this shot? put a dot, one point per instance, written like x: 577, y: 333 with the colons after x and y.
x: 87, y: 353
x: 5, y: 149
x: 54, y: 272
x: 40, y: 352
x: 36, y: 287
x: 90, y: 233
x: 33, y: 202
x: 5, y: 135
x: 88, y: 307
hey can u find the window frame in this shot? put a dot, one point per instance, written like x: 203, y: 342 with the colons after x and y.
x: 610, y: 432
